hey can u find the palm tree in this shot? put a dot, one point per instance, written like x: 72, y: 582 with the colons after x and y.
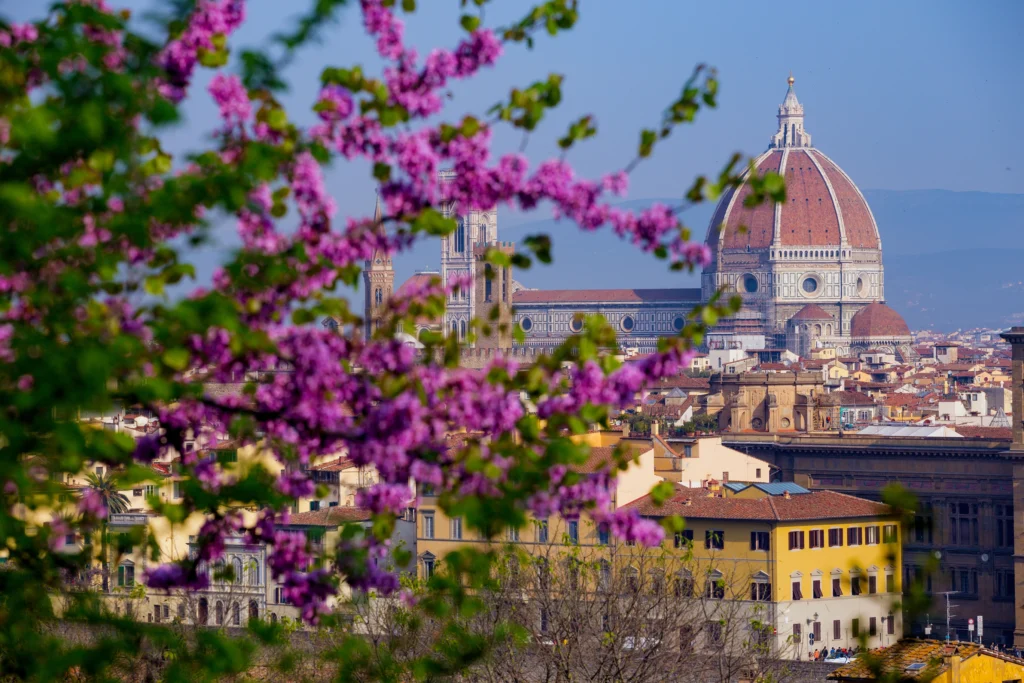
x: 116, y: 503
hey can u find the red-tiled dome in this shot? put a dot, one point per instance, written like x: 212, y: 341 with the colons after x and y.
x: 812, y: 312
x: 822, y: 205
x: 878, y: 320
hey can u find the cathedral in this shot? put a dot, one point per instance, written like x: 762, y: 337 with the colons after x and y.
x: 809, y: 270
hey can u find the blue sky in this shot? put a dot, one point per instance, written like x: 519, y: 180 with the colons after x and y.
x: 905, y: 95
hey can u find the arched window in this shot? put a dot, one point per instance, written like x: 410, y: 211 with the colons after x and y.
x: 254, y: 610
x: 236, y: 614
x: 462, y: 330
x: 204, y: 611
x: 460, y: 236
x: 273, y: 618
x: 455, y: 329
x: 378, y: 296
x: 236, y: 564
x: 218, y: 611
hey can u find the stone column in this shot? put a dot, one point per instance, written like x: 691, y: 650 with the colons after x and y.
x: 1016, y: 338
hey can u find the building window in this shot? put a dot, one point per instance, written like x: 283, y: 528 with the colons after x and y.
x: 428, y: 524
x: 964, y: 580
x: 757, y: 473
x: 428, y: 566
x: 513, y: 535
x: 714, y: 589
x: 627, y: 323
x: 890, y: 583
x: 684, y: 584
x: 837, y: 630
x: 1003, y: 585
x: 314, y: 505
x: 576, y: 324
x: 963, y: 523
x: 544, y: 625
x: 760, y: 591
x: 835, y: 538
x: 816, y: 589
x: 854, y: 585
x: 872, y: 585
x: 542, y: 531
x: 750, y: 284
x: 890, y: 625
x: 1004, y: 526
x: 871, y: 535
x: 574, y: 531
x: 837, y: 587
x: 810, y: 285
x: 797, y: 592
x: 854, y: 535
x: 760, y: 540
x: 924, y: 524
x: 456, y: 528
x: 713, y: 629
x: 816, y: 538
x: 796, y: 540
x: 678, y: 323
x: 126, y: 575
x: 855, y: 628
x: 714, y: 539
x: 177, y: 489
x: 684, y: 539
x: 891, y: 535
x: 872, y: 627
x: 526, y: 324
x: 816, y: 630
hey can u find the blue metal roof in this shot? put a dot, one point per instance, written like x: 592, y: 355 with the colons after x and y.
x: 736, y: 486
x: 777, y: 488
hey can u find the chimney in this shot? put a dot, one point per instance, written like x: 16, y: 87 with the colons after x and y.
x: 688, y: 501
x: 785, y: 494
x: 655, y: 428
x: 625, y: 429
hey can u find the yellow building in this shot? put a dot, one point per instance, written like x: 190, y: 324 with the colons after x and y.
x: 437, y: 534
x: 935, y: 661
x: 827, y: 565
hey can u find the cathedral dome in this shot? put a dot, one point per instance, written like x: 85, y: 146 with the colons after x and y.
x: 823, y: 207
x: 878, y: 321
x: 813, y: 312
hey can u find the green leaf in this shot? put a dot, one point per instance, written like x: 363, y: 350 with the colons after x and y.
x: 661, y: 492
x: 470, y: 22
x: 176, y: 359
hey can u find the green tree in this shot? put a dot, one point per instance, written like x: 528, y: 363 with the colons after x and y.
x: 115, y: 502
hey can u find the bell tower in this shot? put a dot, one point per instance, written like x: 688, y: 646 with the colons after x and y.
x: 379, y: 278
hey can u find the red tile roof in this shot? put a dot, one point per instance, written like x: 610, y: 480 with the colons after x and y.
x: 336, y: 465
x: 878, y: 320
x: 680, y: 382
x: 545, y: 296
x: 759, y: 220
x: 991, y: 433
x: 332, y: 516
x: 417, y: 282
x: 808, y: 216
x: 696, y: 503
x: 861, y: 231
x: 812, y: 312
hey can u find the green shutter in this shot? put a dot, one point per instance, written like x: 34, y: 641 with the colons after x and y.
x: 120, y: 576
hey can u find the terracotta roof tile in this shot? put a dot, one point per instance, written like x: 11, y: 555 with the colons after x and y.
x: 812, y: 312
x: 336, y: 465
x: 861, y: 231
x: 897, y: 659
x: 806, y: 506
x: 878, y: 320
x: 759, y: 220
x: 845, y: 398
x: 991, y: 433
x: 545, y: 296
x: 808, y: 216
x: 332, y: 516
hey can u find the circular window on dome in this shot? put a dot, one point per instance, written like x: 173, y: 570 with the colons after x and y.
x: 810, y: 285
x: 678, y: 323
x: 526, y: 324
x: 627, y: 323
x: 861, y: 287
x: 750, y: 283
x: 576, y: 324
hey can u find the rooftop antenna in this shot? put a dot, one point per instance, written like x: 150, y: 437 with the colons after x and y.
x: 949, y: 614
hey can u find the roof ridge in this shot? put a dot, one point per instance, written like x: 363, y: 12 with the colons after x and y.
x: 775, y: 510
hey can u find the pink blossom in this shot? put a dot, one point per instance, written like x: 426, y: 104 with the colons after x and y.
x: 232, y: 99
